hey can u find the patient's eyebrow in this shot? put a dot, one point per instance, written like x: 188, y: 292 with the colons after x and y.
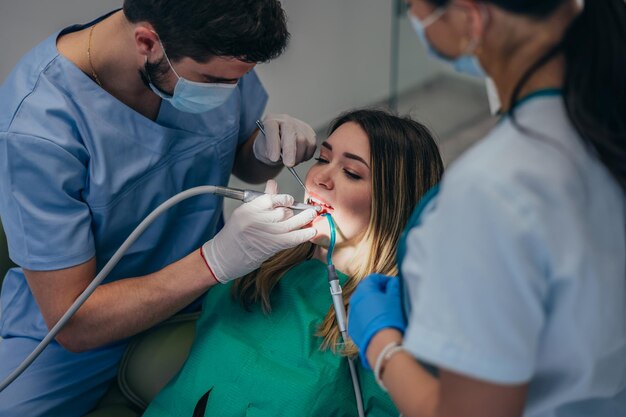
x: 355, y: 157
x: 346, y: 154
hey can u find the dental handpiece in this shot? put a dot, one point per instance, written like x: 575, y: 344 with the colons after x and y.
x: 242, y: 195
x: 249, y: 195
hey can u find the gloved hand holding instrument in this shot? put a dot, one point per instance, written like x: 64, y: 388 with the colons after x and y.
x: 256, y: 231
x: 284, y: 140
x: 374, y: 306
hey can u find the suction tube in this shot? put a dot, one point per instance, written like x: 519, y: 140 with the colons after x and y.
x: 340, y: 311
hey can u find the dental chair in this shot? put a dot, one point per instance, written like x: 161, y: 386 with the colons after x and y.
x: 151, y: 359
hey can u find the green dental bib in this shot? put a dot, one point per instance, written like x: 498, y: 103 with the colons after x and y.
x: 256, y: 364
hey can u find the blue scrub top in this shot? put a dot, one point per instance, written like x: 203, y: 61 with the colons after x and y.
x: 516, y: 270
x: 79, y: 171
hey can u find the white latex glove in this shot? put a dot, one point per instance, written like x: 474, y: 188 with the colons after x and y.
x: 287, y: 137
x: 256, y: 231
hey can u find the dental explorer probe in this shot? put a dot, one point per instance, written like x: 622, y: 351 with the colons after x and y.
x: 249, y: 195
x: 243, y: 195
x: 259, y: 124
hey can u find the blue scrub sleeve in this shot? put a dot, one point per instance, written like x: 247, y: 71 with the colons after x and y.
x: 253, y: 101
x: 476, y: 276
x: 47, y: 224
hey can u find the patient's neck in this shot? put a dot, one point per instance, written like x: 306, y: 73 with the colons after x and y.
x: 342, y: 257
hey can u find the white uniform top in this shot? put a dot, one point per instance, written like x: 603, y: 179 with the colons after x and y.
x: 517, y: 272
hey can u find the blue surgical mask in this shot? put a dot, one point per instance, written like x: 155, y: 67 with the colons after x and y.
x: 194, y: 97
x: 465, y: 64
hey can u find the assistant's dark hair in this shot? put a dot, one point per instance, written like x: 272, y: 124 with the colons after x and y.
x: 249, y: 30
x: 594, y: 90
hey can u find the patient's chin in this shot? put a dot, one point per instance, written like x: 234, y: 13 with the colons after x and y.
x: 322, y: 238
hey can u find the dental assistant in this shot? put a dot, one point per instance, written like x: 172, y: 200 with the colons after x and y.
x: 100, y: 124
x: 513, y: 270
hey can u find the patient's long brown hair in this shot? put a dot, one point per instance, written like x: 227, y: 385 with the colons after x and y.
x: 405, y: 163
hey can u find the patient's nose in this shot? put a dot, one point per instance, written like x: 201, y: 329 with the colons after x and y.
x: 323, y: 179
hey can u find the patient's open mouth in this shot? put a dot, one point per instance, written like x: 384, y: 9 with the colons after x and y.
x: 326, y: 208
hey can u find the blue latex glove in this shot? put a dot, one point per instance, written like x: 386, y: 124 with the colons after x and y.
x: 374, y: 306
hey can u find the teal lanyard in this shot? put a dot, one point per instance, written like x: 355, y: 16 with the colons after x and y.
x: 544, y: 92
x: 413, y: 222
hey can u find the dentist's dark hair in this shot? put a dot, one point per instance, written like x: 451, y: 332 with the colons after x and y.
x: 594, y: 89
x: 249, y: 30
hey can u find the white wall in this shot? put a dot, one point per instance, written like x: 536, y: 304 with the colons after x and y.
x: 339, y: 56
x: 25, y: 23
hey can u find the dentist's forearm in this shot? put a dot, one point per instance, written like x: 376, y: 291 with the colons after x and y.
x: 123, y: 308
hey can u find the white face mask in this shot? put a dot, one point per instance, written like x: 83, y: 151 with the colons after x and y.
x: 465, y: 64
x: 192, y: 96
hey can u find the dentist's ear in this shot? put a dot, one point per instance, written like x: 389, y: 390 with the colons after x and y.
x: 146, y: 40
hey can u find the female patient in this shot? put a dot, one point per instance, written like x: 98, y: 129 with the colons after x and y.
x: 268, y: 345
